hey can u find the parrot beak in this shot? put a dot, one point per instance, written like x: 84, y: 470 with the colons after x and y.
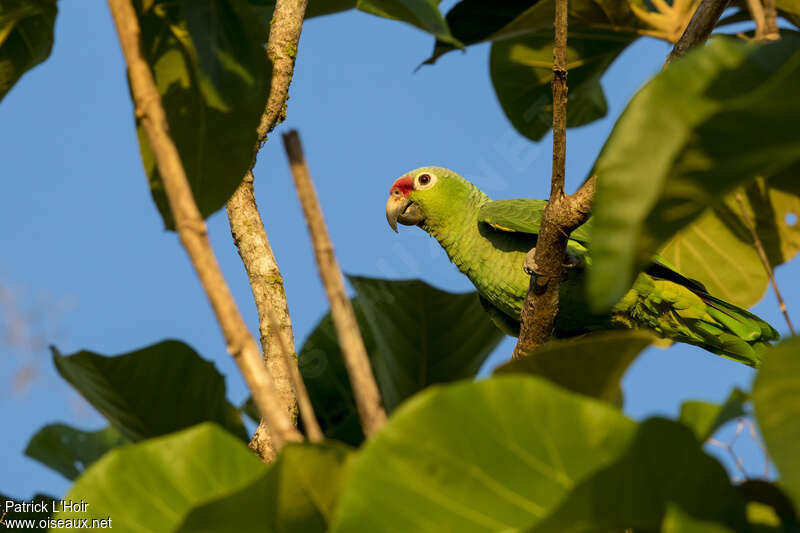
x: 400, y: 209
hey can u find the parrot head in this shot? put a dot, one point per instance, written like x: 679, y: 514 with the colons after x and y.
x: 425, y: 196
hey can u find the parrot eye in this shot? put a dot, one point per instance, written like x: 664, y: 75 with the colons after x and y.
x: 425, y: 181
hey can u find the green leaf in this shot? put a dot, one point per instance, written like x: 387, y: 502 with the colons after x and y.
x: 775, y: 393
x: 705, y: 418
x: 472, y: 21
x: 26, y: 37
x: 297, y: 493
x: 491, y: 455
x: 317, y: 8
x: 522, y: 72
x: 592, y: 364
x: 684, y: 141
x: 676, y: 521
x: 424, y: 14
x: 70, y: 451
x: 415, y: 335
x: 213, y: 76
x: 422, y: 335
x: 41, y: 509
x: 153, y: 391
x: 664, y: 466
x: 153, y: 485
x: 717, y: 248
x: 325, y: 375
x: 766, y: 503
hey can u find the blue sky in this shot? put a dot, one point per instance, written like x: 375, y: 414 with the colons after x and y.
x: 85, y: 256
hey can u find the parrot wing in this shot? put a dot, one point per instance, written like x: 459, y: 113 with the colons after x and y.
x: 665, y: 300
x: 522, y: 215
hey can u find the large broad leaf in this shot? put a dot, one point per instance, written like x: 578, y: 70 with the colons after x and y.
x: 592, y: 365
x: 492, y: 455
x: 718, y: 250
x: 661, y: 20
x: 424, y: 14
x: 676, y: 521
x: 684, y: 141
x: 297, y: 493
x: 213, y: 75
x: 705, y: 418
x: 473, y: 21
x: 422, y: 335
x: 325, y: 376
x: 70, y: 451
x: 415, y: 335
x: 26, y: 37
x: 775, y: 397
x: 522, y: 71
x: 153, y: 391
x: 153, y: 485
x: 768, y: 505
x: 664, y: 467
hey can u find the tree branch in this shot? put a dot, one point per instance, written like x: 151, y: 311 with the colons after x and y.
x: 284, y: 34
x: 365, y: 390
x: 757, y: 14
x: 266, y: 284
x: 248, y: 231
x: 699, y: 28
x: 561, y: 216
x: 192, y: 229
x: 289, y: 359
x: 564, y: 213
x: 771, y: 33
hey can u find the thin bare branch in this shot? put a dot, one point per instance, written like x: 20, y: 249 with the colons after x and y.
x: 248, y: 230
x: 365, y: 390
x: 289, y: 359
x: 762, y: 254
x: 699, y: 28
x: 192, y: 229
x: 266, y: 283
x: 284, y: 34
x: 772, y: 33
x: 562, y: 215
x: 757, y: 14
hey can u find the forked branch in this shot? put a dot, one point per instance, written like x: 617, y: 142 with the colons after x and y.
x: 192, y: 229
x: 563, y: 214
x: 248, y: 231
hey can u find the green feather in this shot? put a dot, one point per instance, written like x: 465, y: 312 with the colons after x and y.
x: 487, y: 240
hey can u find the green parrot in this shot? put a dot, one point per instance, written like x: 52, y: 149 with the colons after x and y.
x: 488, y: 241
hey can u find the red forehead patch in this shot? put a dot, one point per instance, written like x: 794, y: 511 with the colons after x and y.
x: 404, y: 184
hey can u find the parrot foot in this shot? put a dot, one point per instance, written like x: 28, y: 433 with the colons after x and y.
x: 530, y: 267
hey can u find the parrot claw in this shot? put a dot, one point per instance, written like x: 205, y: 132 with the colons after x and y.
x: 572, y: 260
x: 529, y: 266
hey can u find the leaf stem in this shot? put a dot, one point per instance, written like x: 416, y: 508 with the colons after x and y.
x: 762, y: 254
x: 192, y: 228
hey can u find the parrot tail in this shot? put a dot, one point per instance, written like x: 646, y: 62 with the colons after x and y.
x: 737, y: 333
